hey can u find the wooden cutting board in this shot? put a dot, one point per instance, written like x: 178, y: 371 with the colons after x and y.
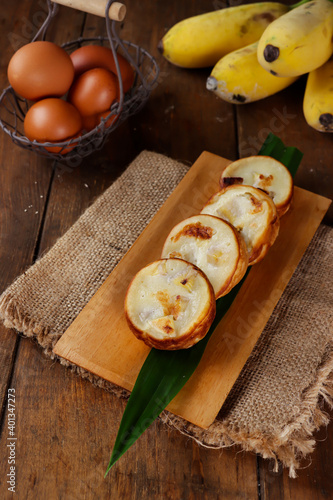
x: 100, y: 341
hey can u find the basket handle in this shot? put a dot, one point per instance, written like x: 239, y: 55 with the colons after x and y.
x: 117, y: 10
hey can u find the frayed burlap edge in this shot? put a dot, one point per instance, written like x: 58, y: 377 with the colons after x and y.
x: 287, y: 446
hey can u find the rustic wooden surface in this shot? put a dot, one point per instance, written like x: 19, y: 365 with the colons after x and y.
x: 65, y: 427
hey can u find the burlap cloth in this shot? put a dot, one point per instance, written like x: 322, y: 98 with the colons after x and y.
x: 276, y: 403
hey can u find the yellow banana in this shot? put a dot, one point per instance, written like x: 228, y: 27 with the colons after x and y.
x: 202, y: 40
x: 238, y: 77
x: 318, y: 98
x: 298, y: 42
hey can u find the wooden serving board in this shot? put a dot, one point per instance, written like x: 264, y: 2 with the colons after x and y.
x: 100, y: 341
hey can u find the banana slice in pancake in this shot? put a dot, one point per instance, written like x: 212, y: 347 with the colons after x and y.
x: 265, y: 173
x: 170, y: 304
x: 214, y: 246
x: 252, y: 212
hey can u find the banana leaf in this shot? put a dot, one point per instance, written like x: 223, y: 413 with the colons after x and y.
x: 164, y: 373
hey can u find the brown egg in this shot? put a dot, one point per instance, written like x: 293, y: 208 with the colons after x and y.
x: 40, y: 69
x: 52, y: 120
x: 90, y: 122
x: 96, y: 56
x: 94, y: 91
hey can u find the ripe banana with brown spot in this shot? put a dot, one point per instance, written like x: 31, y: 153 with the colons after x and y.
x: 298, y: 42
x: 238, y: 78
x: 202, y: 40
x: 318, y: 98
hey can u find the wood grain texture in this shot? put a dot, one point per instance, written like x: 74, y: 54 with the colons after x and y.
x: 24, y: 186
x: 117, y: 10
x: 314, y: 481
x: 61, y: 455
x: 282, y: 114
x: 100, y: 340
x: 66, y: 427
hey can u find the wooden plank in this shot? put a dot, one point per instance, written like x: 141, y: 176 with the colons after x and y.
x: 69, y: 461
x: 282, y: 114
x: 314, y: 478
x: 116, y: 355
x: 181, y: 118
x: 66, y: 426
x: 24, y: 180
x: 8, y: 347
x: 65, y: 429
x: 239, y: 330
x: 174, y: 209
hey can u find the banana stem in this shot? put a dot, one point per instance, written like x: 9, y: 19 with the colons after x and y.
x: 298, y: 4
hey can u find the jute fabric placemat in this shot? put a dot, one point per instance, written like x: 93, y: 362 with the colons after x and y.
x: 277, y: 402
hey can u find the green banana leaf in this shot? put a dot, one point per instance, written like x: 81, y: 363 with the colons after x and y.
x: 164, y: 373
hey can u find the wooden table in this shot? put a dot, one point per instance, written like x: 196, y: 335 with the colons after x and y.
x: 65, y: 426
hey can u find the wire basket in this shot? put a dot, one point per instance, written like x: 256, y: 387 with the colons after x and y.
x: 13, y: 108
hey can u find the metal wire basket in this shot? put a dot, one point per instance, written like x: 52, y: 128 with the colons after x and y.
x: 13, y: 108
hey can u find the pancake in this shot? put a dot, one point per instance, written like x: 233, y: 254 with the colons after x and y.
x: 214, y: 246
x: 265, y: 173
x: 170, y: 304
x: 252, y: 212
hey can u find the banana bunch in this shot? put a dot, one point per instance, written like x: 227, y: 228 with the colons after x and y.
x: 260, y: 49
x: 200, y: 41
x: 301, y: 42
x: 298, y: 42
x: 238, y: 77
x: 318, y: 98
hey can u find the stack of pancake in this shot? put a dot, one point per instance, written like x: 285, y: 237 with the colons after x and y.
x: 171, y: 303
